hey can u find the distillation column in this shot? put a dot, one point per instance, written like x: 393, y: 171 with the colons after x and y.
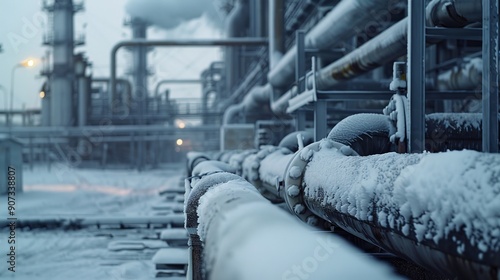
x: 61, y: 78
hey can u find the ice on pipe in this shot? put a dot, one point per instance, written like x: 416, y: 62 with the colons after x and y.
x: 462, y: 121
x: 434, y: 194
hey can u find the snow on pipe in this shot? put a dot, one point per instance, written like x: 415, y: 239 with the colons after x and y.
x: 438, y: 210
x: 235, y: 233
x: 466, y: 76
x: 337, y: 26
x: 392, y: 43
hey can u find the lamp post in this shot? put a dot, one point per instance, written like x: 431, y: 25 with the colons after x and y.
x: 28, y: 63
x: 5, y: 102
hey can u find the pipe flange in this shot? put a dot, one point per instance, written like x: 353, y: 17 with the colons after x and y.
x: 293, y: 189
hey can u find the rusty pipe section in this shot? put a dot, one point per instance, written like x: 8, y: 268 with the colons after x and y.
x: 433, y: 209
x: 392, y: 43
x: 335, y: 27
x: 235, y: 233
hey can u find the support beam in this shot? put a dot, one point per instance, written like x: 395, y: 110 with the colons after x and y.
x: 416, y: 74
x: 490, y: 76
x: 320, y: 118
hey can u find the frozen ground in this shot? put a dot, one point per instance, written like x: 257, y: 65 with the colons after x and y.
x: 84, y: 254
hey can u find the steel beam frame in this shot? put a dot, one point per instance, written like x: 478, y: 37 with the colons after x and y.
x: 490, y: 76
x: 416, y: 74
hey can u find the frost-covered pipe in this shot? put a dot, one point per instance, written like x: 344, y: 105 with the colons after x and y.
x: 438, y: 210
x: 392, y: 43
x: 243, y: 236
x: 254, y: 100
x: 335, y: 27
x: 193, y: 159
x: 194, y: 191
x: 466, y: 76
x: 367, y: 134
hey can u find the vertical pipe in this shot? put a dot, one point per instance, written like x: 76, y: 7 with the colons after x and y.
x: 276, y: 31
x: 31, y: 152
x: 82, y: 100
x: 139, y: 31
x: 300, y: 70
x: 416, y: 74
x: 490, y: 76
x: 237, y: 22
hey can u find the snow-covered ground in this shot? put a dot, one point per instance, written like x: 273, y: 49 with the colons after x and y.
x: 63, y: 192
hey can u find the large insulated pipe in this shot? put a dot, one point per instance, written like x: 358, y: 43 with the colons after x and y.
x: 392, y: 43
x: 337, y: 26
x: 438, y: 210
x: 235, y: 233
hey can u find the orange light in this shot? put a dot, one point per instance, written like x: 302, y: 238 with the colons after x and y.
x: 28, y: 63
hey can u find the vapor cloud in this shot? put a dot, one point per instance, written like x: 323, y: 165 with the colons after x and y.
x: 169, y: 14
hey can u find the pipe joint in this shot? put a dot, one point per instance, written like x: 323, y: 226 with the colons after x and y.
x: 250, y: 172
x: 293, y: 187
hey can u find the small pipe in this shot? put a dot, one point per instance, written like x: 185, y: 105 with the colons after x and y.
x: 177, y: 43
x: 464, y: 77
x: 170, y: 81
x: 257, y: 96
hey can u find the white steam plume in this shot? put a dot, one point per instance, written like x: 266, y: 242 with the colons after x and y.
x: 169, y: 14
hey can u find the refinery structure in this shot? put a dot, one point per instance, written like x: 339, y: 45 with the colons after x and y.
x: 372, y: 125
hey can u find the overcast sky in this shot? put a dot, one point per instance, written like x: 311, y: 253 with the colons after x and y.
x: 102, y: 24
